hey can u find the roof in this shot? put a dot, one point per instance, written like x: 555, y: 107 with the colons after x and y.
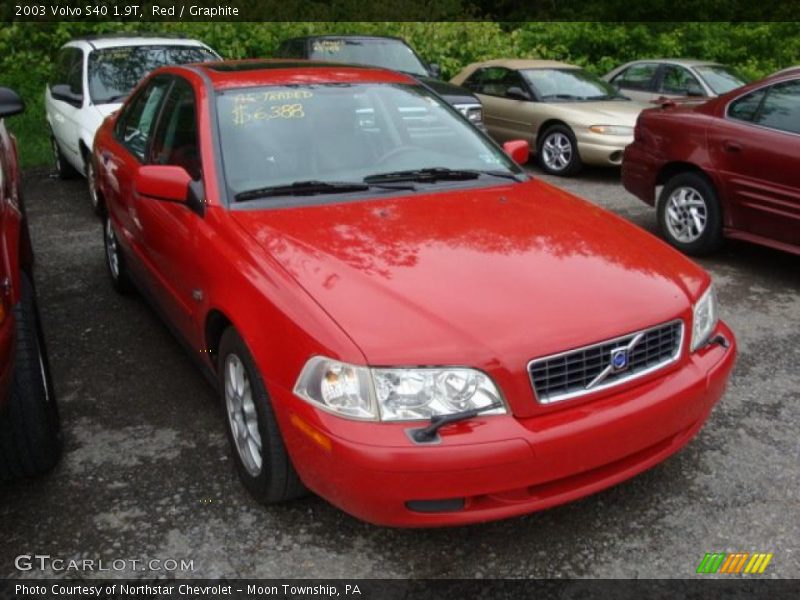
x: 346, y: 36
x: 684, y: 62
x: 523, y: 63
x: 254, y: 72
x: 113, y: 41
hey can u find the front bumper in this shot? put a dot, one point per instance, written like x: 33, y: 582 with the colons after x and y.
x: 602, y: 150
x: 501, y: 466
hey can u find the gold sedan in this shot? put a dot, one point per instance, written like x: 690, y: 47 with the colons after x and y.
x: 568, y: 115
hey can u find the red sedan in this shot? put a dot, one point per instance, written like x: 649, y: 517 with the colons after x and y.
x: 30, y: 436
x: 729, y: 167
x: 399, y: 319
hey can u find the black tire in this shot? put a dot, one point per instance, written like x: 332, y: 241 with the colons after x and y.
x: 276, y: 479
x: 61, y: 166
x: 701, y: 197
x: 91, y: 181
x: 118, y: 272
x: 559, y: 134
x: 30, y: 431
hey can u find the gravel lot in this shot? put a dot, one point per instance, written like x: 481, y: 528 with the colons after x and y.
x: 146, y: 473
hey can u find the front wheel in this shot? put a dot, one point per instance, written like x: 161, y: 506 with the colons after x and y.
x: 261, y: 458
x: 689, y: 214
x: 557, y: 151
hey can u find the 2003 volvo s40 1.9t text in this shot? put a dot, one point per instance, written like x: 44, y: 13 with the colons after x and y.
x: 399, y: 319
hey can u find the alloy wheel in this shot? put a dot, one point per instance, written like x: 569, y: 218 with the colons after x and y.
x: 112, y: 250
x: 557, y: 151
x: 242, y: 415
x: 686, y: 214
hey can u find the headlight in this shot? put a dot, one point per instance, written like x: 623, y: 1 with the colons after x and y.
x: 704, y: 318
x: 612, y: 130
x: 396, y: 394
x: 473, y: 113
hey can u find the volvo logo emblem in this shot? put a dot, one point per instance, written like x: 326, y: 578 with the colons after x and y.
x: 619, y: 359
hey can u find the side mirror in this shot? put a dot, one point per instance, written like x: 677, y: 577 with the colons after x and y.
x: 517, y: 93
x: 10, y: 103
x: 435, y: 70
x: 63, y: 92
x: 518, y: 150
x: 163, y: 182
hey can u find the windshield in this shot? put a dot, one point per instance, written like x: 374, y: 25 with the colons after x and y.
x: 720, y: 79
x: 389, y: 54
x: 334, y: 133
x: 114, y: 72
x: 569, y: 85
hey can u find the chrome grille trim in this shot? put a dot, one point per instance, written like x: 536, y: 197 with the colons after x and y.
x: 661, y: 345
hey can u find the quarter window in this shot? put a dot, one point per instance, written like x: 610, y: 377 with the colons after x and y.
x: 746, y: 107
x: 494, y: 81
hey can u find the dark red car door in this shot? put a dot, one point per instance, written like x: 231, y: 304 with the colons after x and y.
x: 756, y: 150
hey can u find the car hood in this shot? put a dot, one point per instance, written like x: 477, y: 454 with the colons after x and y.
x: 479, y: 276
x: 610, y: 112
x: 454, y: 94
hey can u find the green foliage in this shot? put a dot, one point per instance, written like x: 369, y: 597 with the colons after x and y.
x: 756, y: 49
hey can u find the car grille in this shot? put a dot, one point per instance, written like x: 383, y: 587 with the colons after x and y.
x: 585, y: 370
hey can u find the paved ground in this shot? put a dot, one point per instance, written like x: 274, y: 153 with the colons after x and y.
x: 146, y: 472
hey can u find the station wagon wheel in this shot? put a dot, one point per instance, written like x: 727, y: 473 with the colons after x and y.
x: 689, y: 214
x: 557, y: 151
x: 261, y: 458
x: 115, y: 261
x: 63, y: 169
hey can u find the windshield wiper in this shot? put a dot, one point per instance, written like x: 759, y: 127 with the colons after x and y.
x: 434, y: 174
x: 113, y: 99
x: 430, y: 433
x: 312, y: 188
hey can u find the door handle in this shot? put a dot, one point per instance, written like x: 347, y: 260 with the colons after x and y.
x: 730, y: 146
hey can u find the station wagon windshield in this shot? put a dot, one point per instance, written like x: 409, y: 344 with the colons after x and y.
x: 389, y: 54
x: 345, y: 138
x: 113, y: 72
x: 569, y: 85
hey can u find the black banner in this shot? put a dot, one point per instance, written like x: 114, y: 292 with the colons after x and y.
x: 751, y: 588
x: 400, y: 10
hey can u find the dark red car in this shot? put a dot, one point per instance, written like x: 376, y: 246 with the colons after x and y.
x: 398, y: 318
x: 729, y: 167
x: 30, y: 437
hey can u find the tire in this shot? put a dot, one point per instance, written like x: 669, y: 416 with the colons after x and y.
x: 91, y: 183
x: 263, y: 464
x: 557, y: 151
x: 63, y: 169
x: 30, y: 432
x: 690, y: 215
x: 115, y: 261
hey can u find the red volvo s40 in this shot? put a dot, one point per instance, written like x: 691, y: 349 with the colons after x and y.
x: 399, y: 318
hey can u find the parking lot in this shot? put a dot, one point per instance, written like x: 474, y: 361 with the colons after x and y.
x: 147, y: 475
